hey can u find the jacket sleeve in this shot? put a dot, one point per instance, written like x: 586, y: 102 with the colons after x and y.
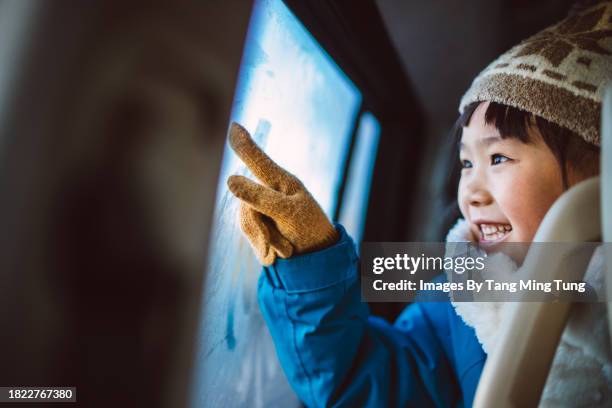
x: 333, y: 352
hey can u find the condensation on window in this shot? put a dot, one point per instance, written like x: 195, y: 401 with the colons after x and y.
x: 301, y: 109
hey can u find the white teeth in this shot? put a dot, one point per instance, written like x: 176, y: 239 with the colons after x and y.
x: 492, y: 232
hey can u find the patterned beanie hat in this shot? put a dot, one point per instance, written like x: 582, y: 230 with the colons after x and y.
x: 558, y: 74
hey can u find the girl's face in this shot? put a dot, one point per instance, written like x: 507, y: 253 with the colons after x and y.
x: 506, y: 186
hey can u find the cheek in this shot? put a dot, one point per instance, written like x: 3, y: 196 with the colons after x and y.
x: 525, y: 202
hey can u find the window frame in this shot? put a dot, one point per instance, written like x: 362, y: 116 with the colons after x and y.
x: 375, y: 68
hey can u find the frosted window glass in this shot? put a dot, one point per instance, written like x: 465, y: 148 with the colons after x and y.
x: 359, y: 178
x: 301, y: 108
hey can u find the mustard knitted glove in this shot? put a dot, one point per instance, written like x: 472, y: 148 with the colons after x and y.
x: 280, y: 217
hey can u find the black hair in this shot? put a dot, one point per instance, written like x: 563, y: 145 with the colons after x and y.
x: 568, y: 147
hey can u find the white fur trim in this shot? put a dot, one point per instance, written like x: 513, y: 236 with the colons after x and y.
x: 581, y: 374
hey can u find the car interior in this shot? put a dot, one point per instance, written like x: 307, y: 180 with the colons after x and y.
x: 125, y: 272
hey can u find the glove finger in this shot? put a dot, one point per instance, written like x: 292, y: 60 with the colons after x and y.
x: 257, y: 233
x: 260, y: 164
x: 262, y: 198
x: 278, y: 242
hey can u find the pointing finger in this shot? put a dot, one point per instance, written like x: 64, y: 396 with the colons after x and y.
x: 260, y: 164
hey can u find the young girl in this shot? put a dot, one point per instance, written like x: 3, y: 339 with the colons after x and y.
x: 528, y: 130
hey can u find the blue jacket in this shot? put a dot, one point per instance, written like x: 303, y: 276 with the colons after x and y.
x: 334, y: 353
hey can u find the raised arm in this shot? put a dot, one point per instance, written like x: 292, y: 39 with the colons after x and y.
x: 332, y: 351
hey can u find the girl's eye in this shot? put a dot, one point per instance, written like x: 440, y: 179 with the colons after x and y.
x: 498, y: 159
x: 466, y: 164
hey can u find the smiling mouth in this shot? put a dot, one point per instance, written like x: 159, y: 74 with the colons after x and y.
x: 494, y: 232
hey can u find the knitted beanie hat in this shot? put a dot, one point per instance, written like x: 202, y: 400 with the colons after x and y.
x: 558, y: 74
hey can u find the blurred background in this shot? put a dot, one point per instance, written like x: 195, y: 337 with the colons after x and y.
x: 124, y: 271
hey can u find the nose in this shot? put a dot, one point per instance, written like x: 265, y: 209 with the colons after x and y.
x: 479, y: 199
x: 476, y: 193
